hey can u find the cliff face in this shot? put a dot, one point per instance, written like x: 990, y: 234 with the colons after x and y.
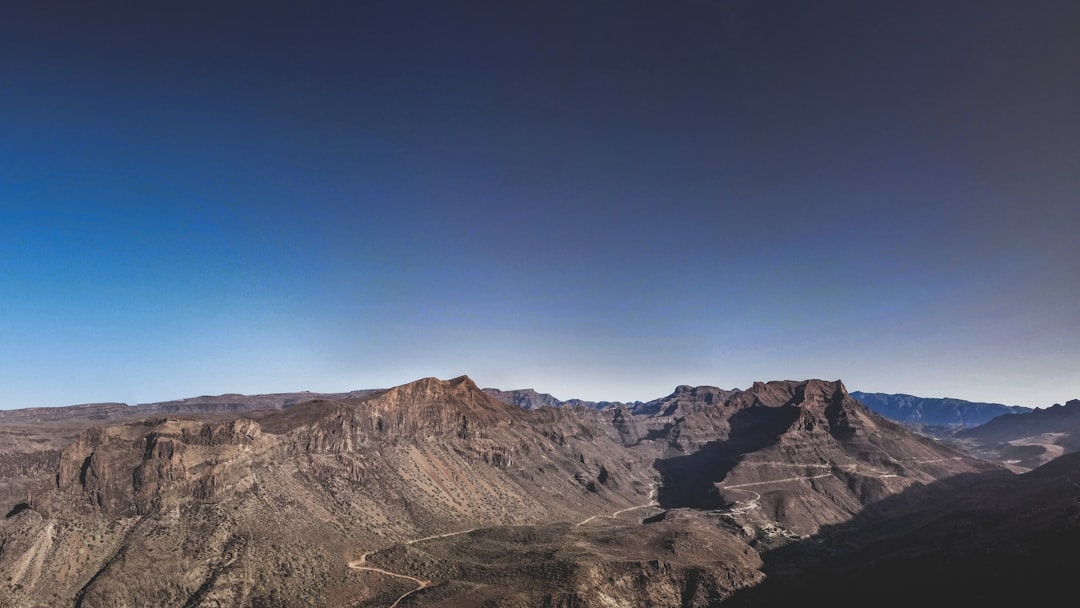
x: 129, y: 470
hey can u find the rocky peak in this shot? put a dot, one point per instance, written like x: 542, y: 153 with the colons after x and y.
x: 425, y: 408
x: 428, y: 389
x: 435, y: 405
x: 821, y: 391
x: 459, y: 395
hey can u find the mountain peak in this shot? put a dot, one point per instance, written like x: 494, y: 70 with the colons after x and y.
x: 431, y: 403
x: 821, y: 390
x: 434, y: 388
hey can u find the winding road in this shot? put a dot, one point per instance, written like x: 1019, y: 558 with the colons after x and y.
x: 420, y: 583
x: 652, y: 503
x: 361, y: 563
x: 755, y: 502
x: 749, y: 505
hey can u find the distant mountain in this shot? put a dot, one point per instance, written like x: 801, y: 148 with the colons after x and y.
x: 1054, y: 419
x: 686, y: 398
x: 531, y: 400
x: 932, y: 411
x: 1030, y: 439
x: 229, y: 403
x: 525, y: 398
x: 907, y: 409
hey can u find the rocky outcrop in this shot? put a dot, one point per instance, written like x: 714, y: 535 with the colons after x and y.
x: 143, y: 467
x: 234, y: 404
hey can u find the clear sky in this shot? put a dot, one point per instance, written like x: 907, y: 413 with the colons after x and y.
x: 594, y: 199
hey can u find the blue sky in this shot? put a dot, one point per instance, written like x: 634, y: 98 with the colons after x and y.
x: 595, y: 199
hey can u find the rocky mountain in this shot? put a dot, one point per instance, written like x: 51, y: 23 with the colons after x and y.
x: 435, y: 493
x: 1027, y: 440
x: 943, y: 412
x: 785, y: 458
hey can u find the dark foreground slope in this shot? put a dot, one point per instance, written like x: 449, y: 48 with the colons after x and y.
x: 993, y: 539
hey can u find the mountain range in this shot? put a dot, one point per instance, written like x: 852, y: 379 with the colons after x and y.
x: 438, y: 493
x: 930, y: 411
x: 918, y: 412
x: 915, y: 411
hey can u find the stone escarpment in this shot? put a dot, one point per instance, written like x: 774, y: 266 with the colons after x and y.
x: 138, y: 468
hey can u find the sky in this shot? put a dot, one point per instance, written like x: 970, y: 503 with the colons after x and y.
x: 598, y: 200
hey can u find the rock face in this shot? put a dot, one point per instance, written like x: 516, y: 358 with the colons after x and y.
x: 945, y: 412
x: 359, y: 500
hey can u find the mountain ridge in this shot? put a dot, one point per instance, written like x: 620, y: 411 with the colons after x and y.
x: 935, y: 411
